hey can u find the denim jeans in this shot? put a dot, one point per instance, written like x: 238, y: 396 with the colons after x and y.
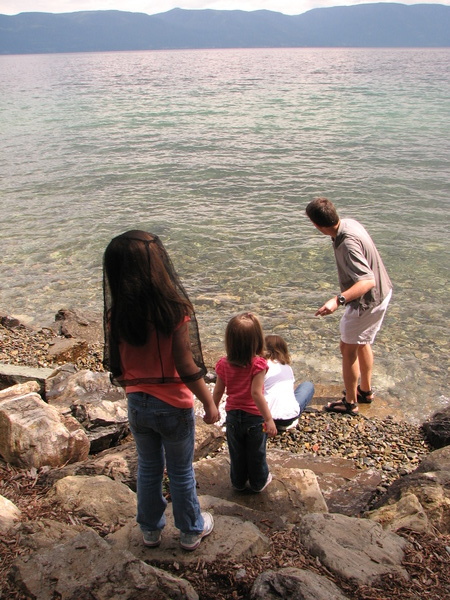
x: 247, y: 446
x: 303, y: 394
x: 164, y: 436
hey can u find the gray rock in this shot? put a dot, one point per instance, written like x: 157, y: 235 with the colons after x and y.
x: 46, y: 533
x: 233, y: 537
x: 352, y: 548
x: 109, y: 502
x: 89, y: 396
x: 33, y: 434
x: 291, y: 493
x: 11, y: 375
x: 86, y: 566
x: 9, y: 515
x: 294, y: 584
x: 437, y: 429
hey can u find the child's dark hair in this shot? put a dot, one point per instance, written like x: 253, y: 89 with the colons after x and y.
x: 276, y: 349
x: 143, y: 286
x: 244, y: 339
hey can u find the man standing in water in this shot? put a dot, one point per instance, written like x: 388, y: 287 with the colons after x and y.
x: 365, y: 293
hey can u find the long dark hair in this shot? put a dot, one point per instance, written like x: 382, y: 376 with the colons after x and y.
x: 142, y: 293
x: 145, y: 290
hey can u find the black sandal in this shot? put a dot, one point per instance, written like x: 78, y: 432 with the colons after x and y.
x: 347, y: 408
x: 362, y: 396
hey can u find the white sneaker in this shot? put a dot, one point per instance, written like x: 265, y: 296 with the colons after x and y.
x: 191, y: 541
x: 268, y: 480
x: 152, y: 539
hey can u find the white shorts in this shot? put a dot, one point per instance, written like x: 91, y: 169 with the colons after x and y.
x: 361, y: 328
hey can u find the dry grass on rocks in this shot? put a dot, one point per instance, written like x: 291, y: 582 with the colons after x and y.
x: 427, y: 560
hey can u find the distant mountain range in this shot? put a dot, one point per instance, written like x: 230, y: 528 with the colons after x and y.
x: 364, y: 25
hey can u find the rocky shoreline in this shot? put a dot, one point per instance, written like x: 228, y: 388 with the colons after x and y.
x: 384, y: 450
x: 394, y: 447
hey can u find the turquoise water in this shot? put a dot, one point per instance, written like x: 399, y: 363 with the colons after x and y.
x: 218, y: 152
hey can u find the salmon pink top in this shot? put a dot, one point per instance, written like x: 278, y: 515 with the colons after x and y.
x: 155, y: 360
x: 238, y: 383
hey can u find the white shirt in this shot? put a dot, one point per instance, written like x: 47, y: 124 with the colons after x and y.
x: 279, y: 391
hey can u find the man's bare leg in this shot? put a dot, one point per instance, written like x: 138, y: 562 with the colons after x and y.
x: 365, y: 358
x: 350, y: 370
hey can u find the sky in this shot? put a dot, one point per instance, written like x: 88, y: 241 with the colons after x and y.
x: 151, y: 7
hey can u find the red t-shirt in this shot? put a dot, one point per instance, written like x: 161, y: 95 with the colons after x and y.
x: 151, y: 360
x: 238, y: 383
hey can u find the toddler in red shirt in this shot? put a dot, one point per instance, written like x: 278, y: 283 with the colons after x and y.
x: 248, y: 423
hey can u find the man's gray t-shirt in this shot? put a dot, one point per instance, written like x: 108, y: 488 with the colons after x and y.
x: 357, y: 259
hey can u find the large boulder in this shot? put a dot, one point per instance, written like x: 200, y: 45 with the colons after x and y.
x: 351, y: 548
x: 294, y: 584
x: 233, y: 537
x: 420, y: 500
x: 34, y: 434
x: 86, y: 566
x: 106, y: 501
x: 90, y: 397
x: 291, y: 493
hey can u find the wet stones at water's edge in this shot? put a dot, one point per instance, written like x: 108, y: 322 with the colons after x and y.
x: 396, y: 448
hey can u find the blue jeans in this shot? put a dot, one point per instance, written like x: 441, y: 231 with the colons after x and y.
x: 303, y: 394
x: 164, y: 436
x: 247, y: 445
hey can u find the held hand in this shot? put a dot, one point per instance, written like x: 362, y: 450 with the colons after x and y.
x: 212, y: 415
x: 270, y: 428
x: 328, y: 308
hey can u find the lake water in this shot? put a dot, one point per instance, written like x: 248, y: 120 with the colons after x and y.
x: 218, y: 152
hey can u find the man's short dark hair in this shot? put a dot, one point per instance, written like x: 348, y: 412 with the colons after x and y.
x: 322, y: 212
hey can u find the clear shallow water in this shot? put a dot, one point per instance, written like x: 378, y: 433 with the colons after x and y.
x: 219, y: 152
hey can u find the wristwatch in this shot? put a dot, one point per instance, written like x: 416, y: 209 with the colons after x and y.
x: 341, y: 299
